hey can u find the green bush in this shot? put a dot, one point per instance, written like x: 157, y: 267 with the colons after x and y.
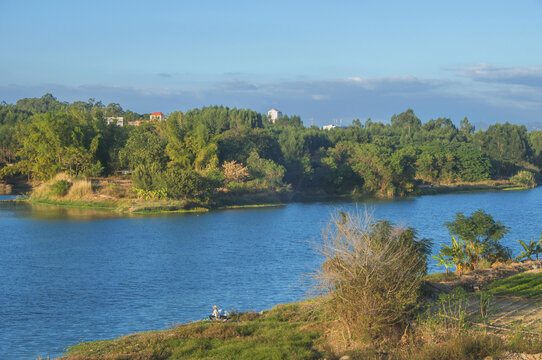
x: 187, y: 183
x: 525, y: 178
x: 61, y: 187
x: 148, y: 177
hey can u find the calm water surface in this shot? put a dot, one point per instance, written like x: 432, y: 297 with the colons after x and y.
x: 78, y: 275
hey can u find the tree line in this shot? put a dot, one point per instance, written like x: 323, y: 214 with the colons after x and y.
x: 194, y: 153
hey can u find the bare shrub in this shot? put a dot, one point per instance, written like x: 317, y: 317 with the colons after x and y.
x: 372, y: 273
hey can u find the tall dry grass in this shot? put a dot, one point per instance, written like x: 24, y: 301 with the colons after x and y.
x: 80, y: 190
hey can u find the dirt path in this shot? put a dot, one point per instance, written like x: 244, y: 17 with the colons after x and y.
x: 480, y: 278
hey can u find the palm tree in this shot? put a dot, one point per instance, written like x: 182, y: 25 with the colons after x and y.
x: 457, y: 254
x: 529, y: 249
x: 538, y: 248
x: 443, y: 261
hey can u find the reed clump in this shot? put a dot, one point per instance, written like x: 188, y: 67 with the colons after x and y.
x: 81, y: 189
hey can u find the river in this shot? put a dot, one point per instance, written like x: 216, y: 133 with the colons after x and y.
x: 73, y: 275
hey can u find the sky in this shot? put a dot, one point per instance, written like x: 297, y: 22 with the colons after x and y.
x: 329, y: 62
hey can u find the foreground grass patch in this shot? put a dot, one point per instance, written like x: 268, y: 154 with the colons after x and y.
x: 527, y: 285
x: 437, y: 277
x: 281, y: 333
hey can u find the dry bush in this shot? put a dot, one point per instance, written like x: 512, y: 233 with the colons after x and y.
x: 41, y: 191
x: 114, y: 190
x: 5, y: 189
x: 372, y: 273
x: 235, y: 172
x: 80, y: 190
x: 61, y: 176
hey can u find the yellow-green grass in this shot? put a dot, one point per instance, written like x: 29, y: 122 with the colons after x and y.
x: 438, y: 277
x: 527, y: 285
x: 285, y: 332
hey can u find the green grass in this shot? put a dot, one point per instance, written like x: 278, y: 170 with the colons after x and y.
x: 467, y: 188
x: 301, y: 331
x: 282, y: 333
x: 527, y: 285
x: 438, y: 277
x: 105, y: 205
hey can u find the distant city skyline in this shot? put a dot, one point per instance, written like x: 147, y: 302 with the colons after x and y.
x: 320, y: 60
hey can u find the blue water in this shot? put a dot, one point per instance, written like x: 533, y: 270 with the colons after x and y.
x: 78, y: 275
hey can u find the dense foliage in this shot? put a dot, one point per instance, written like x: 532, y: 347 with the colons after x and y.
x: 190, y: 153
x: 476, y: 241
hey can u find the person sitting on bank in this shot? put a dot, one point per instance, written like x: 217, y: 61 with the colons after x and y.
x: 216, y: 314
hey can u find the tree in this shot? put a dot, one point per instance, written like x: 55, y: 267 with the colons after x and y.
x: 267, y: 170
x: 143, y: 147
x: 406, y: 121
x: 507, y: 143
x: 455, y: 254
x: 55, y: 142
x: 530, y: 249
x: 466, y: 129
x: 478, y: 238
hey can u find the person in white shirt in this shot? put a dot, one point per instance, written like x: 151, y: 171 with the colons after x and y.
x: 216, y: 314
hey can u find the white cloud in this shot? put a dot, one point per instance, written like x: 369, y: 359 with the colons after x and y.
x: 324, y: 100
x: 319, y: 97
x: 519, y: 75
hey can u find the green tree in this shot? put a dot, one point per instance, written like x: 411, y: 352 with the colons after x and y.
x: 143, y: 147
x: 265, y: 169
x: 481, y: 235
x: 55, y: 142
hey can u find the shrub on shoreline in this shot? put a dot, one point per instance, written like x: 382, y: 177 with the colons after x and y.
x: 372, y: 273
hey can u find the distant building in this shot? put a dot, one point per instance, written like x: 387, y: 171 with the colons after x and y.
x: 117, y: 120
x: 273, y: 115
x: 329, y: 127
x: 157, y: 116
x: 135, y: 122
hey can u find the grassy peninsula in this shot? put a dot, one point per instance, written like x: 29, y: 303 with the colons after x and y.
x: 452, y: 324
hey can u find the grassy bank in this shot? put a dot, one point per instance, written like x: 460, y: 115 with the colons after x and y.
x: 491, y: 185
x: 117, y: 195
x: 305, y: 330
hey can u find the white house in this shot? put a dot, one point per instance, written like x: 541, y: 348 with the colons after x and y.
x: 157, y: 116
x: 273, y: 115
x: 329, y: 127
x: 117, y: 120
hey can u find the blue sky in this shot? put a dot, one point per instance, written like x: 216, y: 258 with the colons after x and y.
x: 322, y: 60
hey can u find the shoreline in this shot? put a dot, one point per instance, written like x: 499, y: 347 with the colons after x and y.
x: 289, y: 322
x: 251, y: 201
